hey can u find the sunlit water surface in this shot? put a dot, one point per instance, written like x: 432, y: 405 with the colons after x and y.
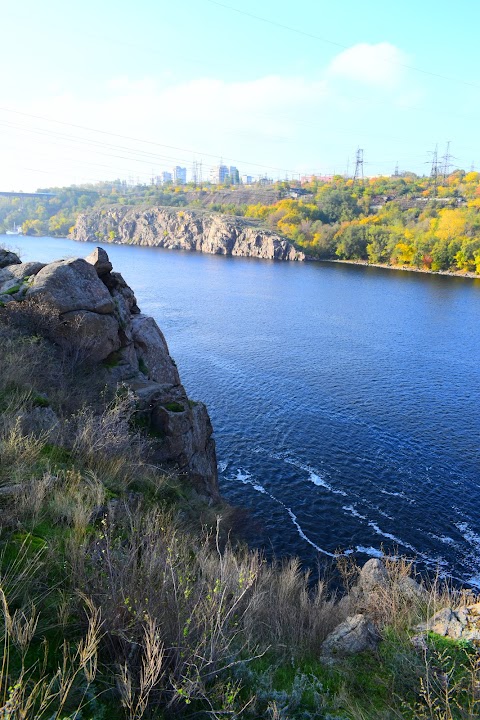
x: 344, y: 399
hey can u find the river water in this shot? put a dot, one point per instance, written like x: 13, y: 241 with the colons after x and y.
x: 344, y: 399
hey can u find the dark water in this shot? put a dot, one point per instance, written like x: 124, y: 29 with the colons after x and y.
x: 344, y: 399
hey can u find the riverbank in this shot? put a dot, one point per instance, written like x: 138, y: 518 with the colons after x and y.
x: 406, y: 268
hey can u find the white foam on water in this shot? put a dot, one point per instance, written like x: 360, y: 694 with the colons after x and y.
x: 399, y: 495
x: 314, y: 475
x: 317, y: 480
x: 246, y: 478
x: 351, y: 509
x: 373, y: 552
x: 383, y: 513
x: 222, y: 466
x: 470, y: 535
x: 445, y: 539
x: 294, y: 520
x: 474, y: 581
x: 388, y: 535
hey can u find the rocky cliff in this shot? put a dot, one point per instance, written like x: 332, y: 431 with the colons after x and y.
x: 92, y: 312
x: 182, y: 230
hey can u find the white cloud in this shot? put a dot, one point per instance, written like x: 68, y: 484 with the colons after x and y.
x: 380, y: 65
x: 297, y: 122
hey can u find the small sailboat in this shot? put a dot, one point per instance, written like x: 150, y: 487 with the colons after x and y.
x: 17, y: 230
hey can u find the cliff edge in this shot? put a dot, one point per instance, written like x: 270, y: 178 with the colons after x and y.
x: 92, y: 312
x: 182, y: 230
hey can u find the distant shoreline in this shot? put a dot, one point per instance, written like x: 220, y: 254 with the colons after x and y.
x: 406, y: 268
x: 310, y: 258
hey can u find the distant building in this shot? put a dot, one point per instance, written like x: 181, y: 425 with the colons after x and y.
x: 179, y: 175
x: 312, y: 178
x: 219, y: 174
x: 234, y: 175
x: 166, y: 177
x: 247, y: 180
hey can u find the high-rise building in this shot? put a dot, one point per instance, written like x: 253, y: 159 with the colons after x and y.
x: 179, y: 175
x: 166, y: 177
x: 234, y: 175
x: 247, y: 179
x: 218, y: 174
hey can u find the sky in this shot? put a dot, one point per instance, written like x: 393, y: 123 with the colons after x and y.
x: 103, y: 90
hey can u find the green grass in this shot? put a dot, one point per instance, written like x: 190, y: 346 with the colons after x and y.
x: 175, y: 407
x: 11, y: 291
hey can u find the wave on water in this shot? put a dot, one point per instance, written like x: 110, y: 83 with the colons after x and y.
x: 314, y: 475
x: 470, y: 535
x: 398, y: 495
x: 352, y: 510
x: 395, y: 539
x: 373, y: 552
x: 246, y: 478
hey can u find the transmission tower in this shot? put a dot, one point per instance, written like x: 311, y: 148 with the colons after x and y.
x: 396, y: 173
x: 446, y: 161
x: 358, y: 175
x: 435, y: 170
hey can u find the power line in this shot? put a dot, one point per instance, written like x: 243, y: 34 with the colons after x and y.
x: 134, y: 139
x: 337, y: 44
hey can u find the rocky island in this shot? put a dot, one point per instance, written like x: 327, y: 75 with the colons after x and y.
x: 184, y: 229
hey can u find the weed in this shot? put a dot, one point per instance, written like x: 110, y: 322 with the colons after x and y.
x: 175, y: 407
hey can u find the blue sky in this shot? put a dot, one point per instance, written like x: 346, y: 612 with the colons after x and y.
x: 295, y: 93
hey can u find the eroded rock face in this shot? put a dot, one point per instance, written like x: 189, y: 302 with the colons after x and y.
x: 94, y: 313
x: 185, y: 230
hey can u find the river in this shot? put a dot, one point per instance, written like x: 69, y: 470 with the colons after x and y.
x: 344, y: 399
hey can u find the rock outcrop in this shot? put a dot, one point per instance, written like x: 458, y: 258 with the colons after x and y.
x: 182, y: 230
x: 462, y: 623
x: 356, y: 634
x: 91, y: 312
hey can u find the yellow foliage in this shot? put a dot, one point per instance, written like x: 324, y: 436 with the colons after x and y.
x: 404, y: 253
x: 451, y: 224
x: 369, y: 220
x: 472, y: 177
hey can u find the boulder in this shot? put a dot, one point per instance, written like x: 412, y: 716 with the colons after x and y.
x: 90, y: 336
x: 373, y: 575
x: 462, y: 623
x: 69, y: 285
x: 41, y: 422
x: 8, y: 258
x: 356, y: 634
x: 14, y: 275
x: 100, y: 261
x: 411, y: 590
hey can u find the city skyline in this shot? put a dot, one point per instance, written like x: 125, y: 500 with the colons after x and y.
x: 287, y: 94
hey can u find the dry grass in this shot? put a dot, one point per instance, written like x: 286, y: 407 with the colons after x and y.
x: 172, y: 613
x: 27, y: 690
